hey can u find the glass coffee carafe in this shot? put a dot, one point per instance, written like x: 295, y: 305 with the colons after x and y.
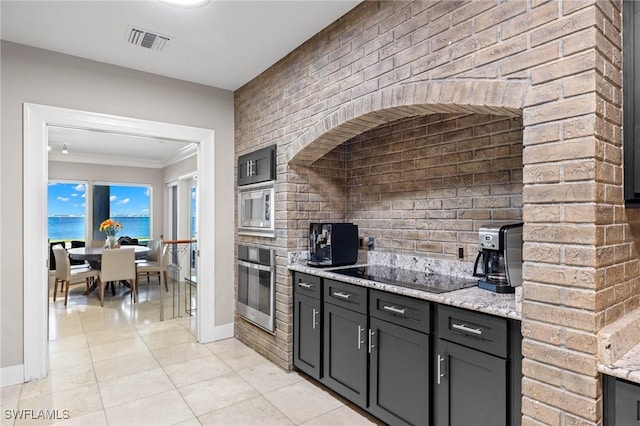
x: 495, y: 271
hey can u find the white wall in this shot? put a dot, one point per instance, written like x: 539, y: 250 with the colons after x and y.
x: 42, y: 77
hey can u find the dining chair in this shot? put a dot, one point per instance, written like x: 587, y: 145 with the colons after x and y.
x: 158, y: 266
x: 66, y: 275
x: 118, y: 265
x: 154, y: 245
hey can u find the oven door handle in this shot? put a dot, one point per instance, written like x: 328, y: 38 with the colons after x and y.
x: 257, y: 266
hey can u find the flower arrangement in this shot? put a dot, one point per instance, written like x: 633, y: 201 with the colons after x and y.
x: 110, y: 227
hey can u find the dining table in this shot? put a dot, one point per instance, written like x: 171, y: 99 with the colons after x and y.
x: 93, y: 255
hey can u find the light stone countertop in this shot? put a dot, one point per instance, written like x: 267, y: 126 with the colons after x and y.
x: 472, y: 298
x: 626, y: 367
x: 619, y: 348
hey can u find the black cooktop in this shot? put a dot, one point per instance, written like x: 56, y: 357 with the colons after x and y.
x: 418, y: 280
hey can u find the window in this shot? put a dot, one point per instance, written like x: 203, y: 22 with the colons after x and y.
x: 128, y: 204
x: 66, y: 211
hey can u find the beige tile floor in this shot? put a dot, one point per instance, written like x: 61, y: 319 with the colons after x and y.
x: 120, y: 365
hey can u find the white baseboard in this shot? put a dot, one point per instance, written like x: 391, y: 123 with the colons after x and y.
x: 13, y: 375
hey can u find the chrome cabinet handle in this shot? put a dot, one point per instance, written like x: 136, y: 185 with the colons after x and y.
x: 341, y: 295
x: 251, y: 165
x: 360, y: 341
x: 371, y: 345
x: 440, y: 374
x: 305, y: 285
x: 464, y: 328
x: 394, y: 309
x: 313, y: 318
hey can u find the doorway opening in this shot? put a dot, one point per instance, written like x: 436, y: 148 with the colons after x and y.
x: 37, y: 119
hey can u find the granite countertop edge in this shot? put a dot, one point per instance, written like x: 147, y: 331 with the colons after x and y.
x: 619, y: 349
x: 471, y: 298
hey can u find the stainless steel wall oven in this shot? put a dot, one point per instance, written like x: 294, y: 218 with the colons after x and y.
x: 256, y: 285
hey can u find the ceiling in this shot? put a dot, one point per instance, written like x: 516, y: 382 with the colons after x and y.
x: 222, y: 44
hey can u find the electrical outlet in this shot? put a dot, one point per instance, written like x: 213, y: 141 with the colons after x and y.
x: 371, y: 243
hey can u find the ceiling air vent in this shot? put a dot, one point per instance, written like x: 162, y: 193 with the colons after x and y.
x: 146, y: 39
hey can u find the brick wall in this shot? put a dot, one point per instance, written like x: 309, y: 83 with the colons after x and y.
x: 555, y: 64
x: 425, y: 185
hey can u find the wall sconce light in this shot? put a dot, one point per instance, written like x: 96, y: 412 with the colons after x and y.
x: 48, y: 147
x: 64, y: 149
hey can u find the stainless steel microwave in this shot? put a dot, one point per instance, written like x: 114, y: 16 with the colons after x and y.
x: 256, y: 210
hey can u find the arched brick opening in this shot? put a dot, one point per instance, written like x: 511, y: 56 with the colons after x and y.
x: 430, y: 97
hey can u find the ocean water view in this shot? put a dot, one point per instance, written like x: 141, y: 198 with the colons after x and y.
x: 73, y: 227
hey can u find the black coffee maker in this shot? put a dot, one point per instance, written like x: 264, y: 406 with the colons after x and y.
x: 499, y: 262
x: 333, y: 244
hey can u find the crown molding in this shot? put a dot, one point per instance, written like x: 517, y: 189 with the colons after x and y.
x: 184, y: 153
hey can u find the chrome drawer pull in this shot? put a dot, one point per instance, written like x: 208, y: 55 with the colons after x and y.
x: 395, y: 310
x: 371, y: 345
x: 464, y: 328
x: 314, y: 318
x: 341, y: 295
x: 440, y: 374
x: 305, y: 285
x: 360, y: 341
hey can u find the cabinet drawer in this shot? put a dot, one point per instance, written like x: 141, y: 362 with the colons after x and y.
x: 401, y: 310
x: 306, y: 284
x: 473, y: 329
x: 347, y: 295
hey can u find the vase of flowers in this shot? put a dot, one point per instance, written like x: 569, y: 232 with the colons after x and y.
x: 111, y: 228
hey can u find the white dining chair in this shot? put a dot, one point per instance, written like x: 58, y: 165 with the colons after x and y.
x: 158, y: 266
x: 116, y: 265
x: 67, y: 275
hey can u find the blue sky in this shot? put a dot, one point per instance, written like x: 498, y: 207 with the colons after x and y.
x: 69, y: 199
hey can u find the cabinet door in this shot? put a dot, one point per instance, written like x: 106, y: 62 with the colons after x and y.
x: 471, y: 387
x: 627, y: 404
x: 399, y: 374
x: 306, y: 335
x: 345, y: 353
x: 257, y: 166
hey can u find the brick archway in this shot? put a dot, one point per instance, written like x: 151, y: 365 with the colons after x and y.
x: 429, y: 97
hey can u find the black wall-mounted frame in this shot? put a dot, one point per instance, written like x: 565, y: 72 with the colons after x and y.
x: 257, y: 166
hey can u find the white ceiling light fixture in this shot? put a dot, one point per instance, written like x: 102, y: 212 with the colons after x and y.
x: 65, y: 150
x: 186, y: 3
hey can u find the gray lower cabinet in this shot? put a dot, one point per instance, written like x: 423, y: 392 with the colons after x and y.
x: 478, y: 368
x: 399, y: 374
x: 345, y: 353
x: 621, y: 402
x: 306, y: 329
x: 400, y: 358
x: 471, y: 387
x: 307, y: 324
x: 345, y: 341
x: 374, y: 348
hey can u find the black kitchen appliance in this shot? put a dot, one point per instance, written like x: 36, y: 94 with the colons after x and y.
x: 333, y: 244
x: 499, y: 262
